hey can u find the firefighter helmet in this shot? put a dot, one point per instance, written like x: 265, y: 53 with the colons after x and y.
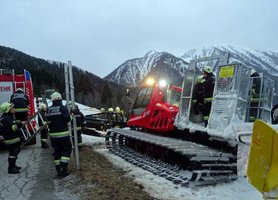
x: 253, y: 72
x: 5, y: 107
x: 102, y: 110
x: 117, y: 109
x: 208, y: 69
x: 42, y: 106
x: 110, y: 109
x: 56, y: 96
x: 19, y: 90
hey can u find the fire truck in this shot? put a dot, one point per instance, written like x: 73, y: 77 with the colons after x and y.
x: 9, y: 83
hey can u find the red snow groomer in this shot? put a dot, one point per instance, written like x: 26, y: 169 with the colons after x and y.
x: 9, y: 83
x: 156, y: 107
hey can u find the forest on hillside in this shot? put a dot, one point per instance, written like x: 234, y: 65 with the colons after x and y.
x: 90, y: 89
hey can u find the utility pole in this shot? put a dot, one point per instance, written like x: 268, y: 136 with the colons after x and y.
x: 71, y: 105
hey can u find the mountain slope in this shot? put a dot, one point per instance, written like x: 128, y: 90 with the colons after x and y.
x: 261, y: 61
x: 167, y: 66
x: 90, y: 89
x: 155, y: 64
x: 265, y: 62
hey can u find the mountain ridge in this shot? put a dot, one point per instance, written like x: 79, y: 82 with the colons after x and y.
x: 135, y: 70
x: 90, y: 89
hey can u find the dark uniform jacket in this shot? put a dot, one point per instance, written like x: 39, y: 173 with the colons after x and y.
x: 20, y: 101
x: 10, y: 129
x: 256, y: 87
x: 58, y: 115
x: 208, y: 85
x: 198, y: 97
x: 80, y: 119
x: 42, y: 113
x: 198, y: 94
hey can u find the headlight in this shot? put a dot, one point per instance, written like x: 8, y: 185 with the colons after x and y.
x: 150, y: 81
x: 162, y: 83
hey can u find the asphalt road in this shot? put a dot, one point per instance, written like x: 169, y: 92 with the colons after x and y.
x: 36, y: 180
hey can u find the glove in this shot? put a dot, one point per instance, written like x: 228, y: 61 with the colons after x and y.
x: 19, y: 125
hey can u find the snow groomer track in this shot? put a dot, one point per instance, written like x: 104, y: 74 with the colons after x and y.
x: 180, y: 161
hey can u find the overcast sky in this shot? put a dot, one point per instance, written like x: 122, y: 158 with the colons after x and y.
x: 99, y: 35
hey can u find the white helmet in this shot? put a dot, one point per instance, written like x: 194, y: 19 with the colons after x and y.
x: 208, y: 69
x: 117, y: 109
x: 5, y: 107
x: 56, y: 96
x: 42, y: 106
x: 19, y: 90
x: 110, y: 110
x: 253, y: 72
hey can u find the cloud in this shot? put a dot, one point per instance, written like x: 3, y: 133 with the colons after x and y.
x: 100, y: 35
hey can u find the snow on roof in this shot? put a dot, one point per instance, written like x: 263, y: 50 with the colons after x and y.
x: 86, y: 110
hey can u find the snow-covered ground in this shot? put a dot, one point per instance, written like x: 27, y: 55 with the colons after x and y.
x: 165, y: 190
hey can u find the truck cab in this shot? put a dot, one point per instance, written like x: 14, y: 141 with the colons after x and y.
x: 155, y: 107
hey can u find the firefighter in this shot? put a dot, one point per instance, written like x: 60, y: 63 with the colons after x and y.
x: 198, y: 96
x: 11, y: 135
x: 255, y: 96
x: 81, y: 124
x: 208, y: 87
x: 21, y: 103
x: 274, y: 114
x: 59, y: 116
x: 44, y: 132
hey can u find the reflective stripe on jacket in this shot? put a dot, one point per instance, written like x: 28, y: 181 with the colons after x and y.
x: 59, y: 116
x: 10, y: 129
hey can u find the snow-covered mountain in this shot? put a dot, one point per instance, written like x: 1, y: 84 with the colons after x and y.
x: 155, y: 64
x: 265, y: 62
x: 161, y: 64
x: 261, y: 61
x: 167, y: 66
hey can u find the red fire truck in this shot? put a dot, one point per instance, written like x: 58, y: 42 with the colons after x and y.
x: 9, y: 82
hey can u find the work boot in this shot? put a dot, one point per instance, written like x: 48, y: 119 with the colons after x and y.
x: 59, y: 174
x: 58, y: 168
x: 64, y: 174
x: 64, y: 170
x: 13, y: 171
x: 44, y: 145
x: 18, y: 167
